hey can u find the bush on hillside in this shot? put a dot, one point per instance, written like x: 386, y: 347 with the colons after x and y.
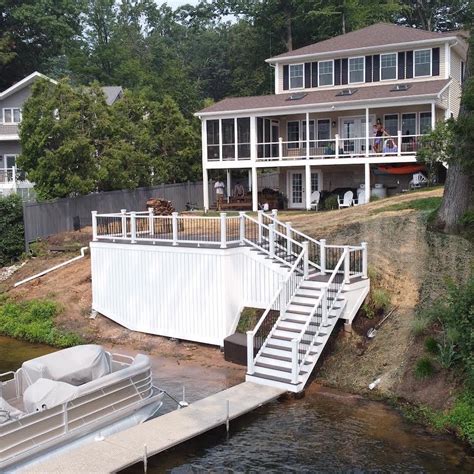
x: 33, y: 321
x: 11, y: 229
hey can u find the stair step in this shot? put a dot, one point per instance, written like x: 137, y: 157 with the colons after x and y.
x: 270, y: 377
x: 311, y: 284
x: 284, y: 352
x: 275, y: 370
x: 265, y: 360
x: 304, y: 300
x: 286, y: 325
x: 308, y: 292
x: 289, y: 336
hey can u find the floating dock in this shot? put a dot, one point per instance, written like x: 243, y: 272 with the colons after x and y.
x: 159, y: 434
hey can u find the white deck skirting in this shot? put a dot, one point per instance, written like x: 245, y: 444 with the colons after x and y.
x: 194, y: 294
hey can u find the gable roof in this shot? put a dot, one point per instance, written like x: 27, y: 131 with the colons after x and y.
x: 326, y: 98
x: 26, y: 81
x: 379, y: 34
x: 112, y: 93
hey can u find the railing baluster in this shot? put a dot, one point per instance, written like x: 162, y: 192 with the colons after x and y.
x: 250, y: 353
x: 294, y: 361
x: 133, y: 228
x: 174, y: 227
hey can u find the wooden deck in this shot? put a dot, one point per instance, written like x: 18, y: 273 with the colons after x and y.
x: 127, y: 447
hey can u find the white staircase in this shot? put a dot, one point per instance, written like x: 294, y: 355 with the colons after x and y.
x: 288, y: 340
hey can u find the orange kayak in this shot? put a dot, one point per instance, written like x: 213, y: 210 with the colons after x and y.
x: 402, y: 169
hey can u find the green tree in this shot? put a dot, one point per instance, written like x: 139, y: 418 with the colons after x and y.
x: 11, y: 229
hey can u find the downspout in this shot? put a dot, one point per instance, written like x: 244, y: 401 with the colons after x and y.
x: 56, y: 267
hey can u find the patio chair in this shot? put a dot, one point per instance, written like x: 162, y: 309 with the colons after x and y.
x: 419, y: 180
x: 346, y: 201
x: 315, y: 197
x: 360, y: 197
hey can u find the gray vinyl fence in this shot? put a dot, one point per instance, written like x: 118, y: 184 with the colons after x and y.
x: 61, y: 215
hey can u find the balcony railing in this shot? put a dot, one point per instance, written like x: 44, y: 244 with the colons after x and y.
x: 334, y: 148
x: 11, y: 175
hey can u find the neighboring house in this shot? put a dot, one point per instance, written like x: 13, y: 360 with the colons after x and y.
x: 318, y: 127
x: 11, y: 107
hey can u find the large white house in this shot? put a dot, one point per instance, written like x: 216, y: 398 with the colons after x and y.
x: 318, y: 129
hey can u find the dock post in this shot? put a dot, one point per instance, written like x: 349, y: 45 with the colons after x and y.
x: 227, y: 420
x: 145, y: 458
x: 323, y: 256
x: 250, y: 368
x: 364, y: 260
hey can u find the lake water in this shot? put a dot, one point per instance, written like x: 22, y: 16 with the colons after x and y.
x: 326, y: 431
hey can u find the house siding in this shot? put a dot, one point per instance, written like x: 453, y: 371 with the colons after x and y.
x: 455, y: 87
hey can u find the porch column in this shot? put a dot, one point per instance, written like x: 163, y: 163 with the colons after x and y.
x: 307, y: 135
x: 205, y: 178
x: 433, y: 115
x: 228, y: 183
x: 366, y: 131
x: 307, y: 176
x: 250, y: 180
x: 220, y: 140
x: 205, y: 189
x: 254, y: 190
x: 253, y: 138
x: 367, y: 182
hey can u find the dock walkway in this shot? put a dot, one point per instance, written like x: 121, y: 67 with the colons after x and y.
x: 159, y: 434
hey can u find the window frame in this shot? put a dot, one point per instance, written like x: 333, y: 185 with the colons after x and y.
x: 415, y: 132
x: 332, y: 73
x: 349, y: 70
x: 396, y: 67
x: 419, y: 120
x: 290, y: 66
x: 431, y: 62
x: 293, y: 145
x: 11, y: 109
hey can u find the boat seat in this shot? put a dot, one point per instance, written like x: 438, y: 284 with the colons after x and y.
x: 46, y: 393
x: 8, y: 412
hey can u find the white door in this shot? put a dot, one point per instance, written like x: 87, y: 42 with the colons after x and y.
x: 354, y: 128
x: 296, y: 189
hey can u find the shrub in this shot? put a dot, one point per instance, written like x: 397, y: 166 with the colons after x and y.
x: 33, y: 321
x: 431, y: 345
x: 377, y: 302
x: 330, y: 202
x: 248, y: 319
x: 11, y: 229
x: 461, y: 416
x: 424, y: 368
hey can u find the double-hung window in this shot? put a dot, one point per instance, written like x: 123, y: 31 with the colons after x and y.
x: 425, y: 122
x: 422, y: 63
x: 356, y: 70
x: 325, y: 73
x: 12, y: 115
x: 388, y: 66
x: 296, y: 76
x: 293, y: 134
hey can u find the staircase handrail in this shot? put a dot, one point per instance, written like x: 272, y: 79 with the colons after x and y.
x: 278, y: 292
x: 251, y: 334
x: 322, y: 300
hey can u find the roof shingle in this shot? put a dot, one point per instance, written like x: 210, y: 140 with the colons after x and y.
x: 326, y: 96
x: 379, y: 34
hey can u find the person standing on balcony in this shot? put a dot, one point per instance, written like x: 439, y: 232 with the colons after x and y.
x: 239, y: 192
x: 379, y: 132
x: 219, y: 187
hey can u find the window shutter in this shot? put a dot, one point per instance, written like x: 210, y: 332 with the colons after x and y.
x: 345, y: 71
x: 286, y: 77
x: 337, y: 72
x: 314, y: 74
x: 409, y: 68
x: 435, y: 65
x: 368, y: 69
x: 307, y: 75
x: 401, y: 65
x: 376, y: 67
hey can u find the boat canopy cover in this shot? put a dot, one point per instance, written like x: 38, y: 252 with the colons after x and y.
x: 76, y: 365
x: 46, y: 393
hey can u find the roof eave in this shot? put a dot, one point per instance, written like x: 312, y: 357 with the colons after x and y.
x: 26, y: 81
x: 414, y: 98
x: 385, y: 47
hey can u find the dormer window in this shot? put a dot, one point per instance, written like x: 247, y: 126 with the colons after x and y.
x: 326, y: 73
x: 11, y: 115
x: 296, y: 76
x: 356, y: 70
x: 388, y: 66
x: 422, y: 63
